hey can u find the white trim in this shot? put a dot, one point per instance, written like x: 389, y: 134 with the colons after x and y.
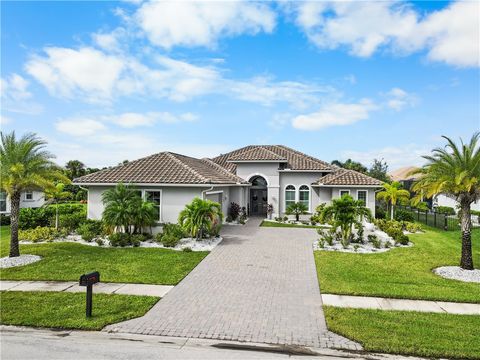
x: 159, y: 184
x: 25, y: 195
x: 249, y: 177
x: 161, y: 201
x: 309, y: 195
x: 366, y: 196
x: 306, y: 171
x: 214, y: 192
x: 257, y: 161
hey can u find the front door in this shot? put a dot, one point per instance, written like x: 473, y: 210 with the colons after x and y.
x: 258, y: 201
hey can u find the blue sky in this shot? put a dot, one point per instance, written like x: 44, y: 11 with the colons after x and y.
x: 107, y: 81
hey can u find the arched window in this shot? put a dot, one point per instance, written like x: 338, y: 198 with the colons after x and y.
x: 304, y: 196
x: 259, y: 181
x: 289, y: 195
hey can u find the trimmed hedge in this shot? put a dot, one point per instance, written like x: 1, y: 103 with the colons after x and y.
x: 71, y: 215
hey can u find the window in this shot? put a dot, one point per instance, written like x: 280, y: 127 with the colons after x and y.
x: 28, y: 195
x: 259, y: 181
x: 362, y: 196
x: 289, y: 196
x: 154, y: 197
x: 344, y: 192
x: 304, y: 196
x: 3, y: 201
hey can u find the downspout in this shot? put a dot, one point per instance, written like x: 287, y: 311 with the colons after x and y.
x: 205, y: 191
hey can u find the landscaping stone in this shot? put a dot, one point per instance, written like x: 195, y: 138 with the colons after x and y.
x: 8, y: 262
x: 457, y: 273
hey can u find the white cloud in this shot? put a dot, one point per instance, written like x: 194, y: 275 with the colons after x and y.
x: 201, y: 23
x: 4, y: 120
x: 111, y: 41
x: 131, y: 120
x: 79, y: 126
x: 399, y: 99
x: 450, y: 35
x: 14, y: 88
x: 279, y: 121
x: 335, y: 114
x: 65, y: 72
x: 395, y: 156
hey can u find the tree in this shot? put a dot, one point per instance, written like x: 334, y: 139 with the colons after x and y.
x: 297, y: 209
x: 351, y: 165
x: 200, y: 216
x: 392, y: 193
x: 345, y: 213
x: 75, y: 169
x: 56, y: 194
x: 379, y: 170
x: 24, y: 164
x: 455, y: 170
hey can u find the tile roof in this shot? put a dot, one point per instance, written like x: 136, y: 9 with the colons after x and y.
x: 164, y: 168
x: 296, y: 160
x: 404, y: 174
x: 347, y: 177
x: 256, y: 154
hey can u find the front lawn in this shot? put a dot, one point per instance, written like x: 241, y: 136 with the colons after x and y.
x: 408, y: 333
x: 401, y: 272
x: 67, y: 261
x: 288, y: 225
x: 41, y: 309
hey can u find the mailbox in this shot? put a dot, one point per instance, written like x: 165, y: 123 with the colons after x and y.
x: 90, y: 278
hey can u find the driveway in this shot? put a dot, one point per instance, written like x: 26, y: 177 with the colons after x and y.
x: 258, y: 285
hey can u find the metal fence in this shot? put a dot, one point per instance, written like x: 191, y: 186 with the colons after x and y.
x: 438, y: 220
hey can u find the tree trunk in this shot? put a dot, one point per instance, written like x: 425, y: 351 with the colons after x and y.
x: 56, y: 216
x: 391, y: 211
x: 14, y: 214
x: 466, y: 262
x: 297, y: 217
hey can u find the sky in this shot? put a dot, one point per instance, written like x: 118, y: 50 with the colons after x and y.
x: 107, y: 81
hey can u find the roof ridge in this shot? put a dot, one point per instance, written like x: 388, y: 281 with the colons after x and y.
x: 341, y: 172
x: 255, y: 148
x: 270, y: 151
x: 301, y: 153
x: 174, y: 157
x: 222, y: 169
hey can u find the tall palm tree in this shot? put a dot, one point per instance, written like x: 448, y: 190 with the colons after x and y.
x: 55, y: 195
x: 392, y: 193
x: 24, y: 164
x: 345, y: 212
x: 455, y: 170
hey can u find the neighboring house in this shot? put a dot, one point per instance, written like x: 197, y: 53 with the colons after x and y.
x: 253, y: 176
x: 28, y: 199
x: 402, y: 175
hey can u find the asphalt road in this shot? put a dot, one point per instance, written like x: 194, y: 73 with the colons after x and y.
x: 27, y: 343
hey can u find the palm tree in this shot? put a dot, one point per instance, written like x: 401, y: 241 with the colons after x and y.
x: 392, y: 193
x: 297, y: 209
x: 144, y: 215
x: 75, y: 168
x: 200, y: 216
x: 345, y: 212
x: 24, y: 164
x: 455, y: 170
x: 120, y: 203
x: 57, y: 194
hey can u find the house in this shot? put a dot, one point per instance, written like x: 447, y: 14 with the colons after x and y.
x: 404, y: 177
x: 28, y: 199
x: 253, y: 176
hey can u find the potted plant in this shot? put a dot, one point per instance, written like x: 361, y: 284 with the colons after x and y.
x: 270, y: 211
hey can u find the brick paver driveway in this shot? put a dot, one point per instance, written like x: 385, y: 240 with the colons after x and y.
x: 259, y: 285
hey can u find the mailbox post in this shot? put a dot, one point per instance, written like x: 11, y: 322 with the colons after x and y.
x: 88, y: 280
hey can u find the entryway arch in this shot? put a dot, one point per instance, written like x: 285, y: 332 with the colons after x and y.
x: 258, y: 195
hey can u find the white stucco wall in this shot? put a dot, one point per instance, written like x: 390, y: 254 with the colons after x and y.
x: 38, y: 199
x: 298, y: 179
x: 353, y: 192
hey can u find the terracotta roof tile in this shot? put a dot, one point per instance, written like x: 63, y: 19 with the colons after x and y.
x: 347, y: 177
x: 164, y: 168
x: 256, y: 154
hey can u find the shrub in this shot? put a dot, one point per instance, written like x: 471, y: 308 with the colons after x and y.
x: 404, y: 215
x: 4, y: 219
x: 234, y: 211
x: 327, y: 236
x: 372, y: 237
x: 31, y: 218
x: 278, y: 219
x: 314, y: 219
x: 447, y: 210
x: 41, y: 234
x: 422, y: 205
x: 228, y: 219
x: 71, y: 221
x: 321, y: 243
x: 136, y: 239
x: 380, y: 213
x: 170, y: 240
x: 123, y: 239
x: 187, y: 249
x: 90, y: 229
x: 402, y: 239
x: 413, y: 227
x: 285, y: 218
x: 99, y: 242
x: 377, y: 244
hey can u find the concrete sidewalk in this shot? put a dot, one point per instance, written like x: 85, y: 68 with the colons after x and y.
x: 364, y: 302
x: 71, y: 286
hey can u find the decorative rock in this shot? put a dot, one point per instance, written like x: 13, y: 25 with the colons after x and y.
x: 457, y: 273
x: 8, y: 262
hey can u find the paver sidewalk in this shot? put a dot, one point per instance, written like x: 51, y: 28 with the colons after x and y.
x: 364, y: 302
x: 70, y: 286
x: 258, y: 285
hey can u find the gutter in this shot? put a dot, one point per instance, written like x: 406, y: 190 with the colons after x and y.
x: 205, y: 191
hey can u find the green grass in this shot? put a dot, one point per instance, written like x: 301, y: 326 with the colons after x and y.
x: 67, y: 261
x: 408, y: 333
x: 287, y: 225
x: 67, y: 310
x: 401, y: 272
